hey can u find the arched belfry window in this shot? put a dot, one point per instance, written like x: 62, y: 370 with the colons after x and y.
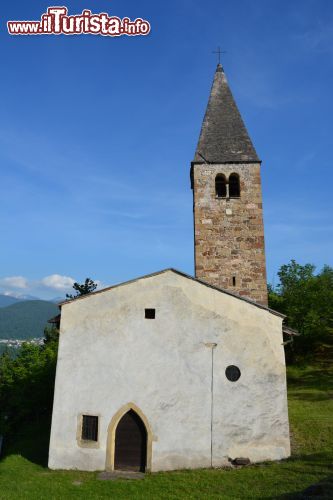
x: 234, y: 186
x: 220, y: 186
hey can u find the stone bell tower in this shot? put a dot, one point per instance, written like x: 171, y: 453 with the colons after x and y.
x: 227, y: 202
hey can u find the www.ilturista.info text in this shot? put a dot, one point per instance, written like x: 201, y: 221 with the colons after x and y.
x: 57, y: 21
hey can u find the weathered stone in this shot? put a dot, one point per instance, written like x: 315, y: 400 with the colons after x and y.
x: 223, y: 134
x: 228, y: 236
x: 235, y: 221
x: 241, y: 461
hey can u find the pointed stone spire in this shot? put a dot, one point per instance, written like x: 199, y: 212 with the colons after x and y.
x: 223, y: 137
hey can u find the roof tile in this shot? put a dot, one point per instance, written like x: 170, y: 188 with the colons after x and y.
x: 223, y: 136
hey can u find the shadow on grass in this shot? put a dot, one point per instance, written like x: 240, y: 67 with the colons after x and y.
x: 321, y: 490
x: 315, y: 384
x: 31, y: 441
x: 307, y: 465
x: 313, y: 397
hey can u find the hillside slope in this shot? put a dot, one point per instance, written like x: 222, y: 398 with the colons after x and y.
x: 26, y: 319
x: 7, y: 300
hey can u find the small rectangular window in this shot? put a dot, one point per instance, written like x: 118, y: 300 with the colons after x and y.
x: 150, y: 313
x: 89, y: 428
x: 234, y: 281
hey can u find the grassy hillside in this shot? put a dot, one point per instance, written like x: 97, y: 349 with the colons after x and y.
x: 26, y: 319
x: 23, y: 472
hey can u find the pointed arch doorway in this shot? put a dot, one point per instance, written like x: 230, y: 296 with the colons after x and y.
x: 129, y: 445
x: 130, y: 449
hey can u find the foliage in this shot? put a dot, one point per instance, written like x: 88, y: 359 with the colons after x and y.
x: 26, y: 383
x: 27, y: 380
x: 23, y: 473
x: 12, y: 351
x: 26, y: 320
x: 306, y: 299
x: 87, y: 287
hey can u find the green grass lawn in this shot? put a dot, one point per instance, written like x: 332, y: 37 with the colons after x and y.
x: 23, y: 474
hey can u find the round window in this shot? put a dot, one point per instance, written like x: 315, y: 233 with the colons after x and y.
x: 232, y: 373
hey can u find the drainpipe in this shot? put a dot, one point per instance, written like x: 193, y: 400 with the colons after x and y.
x: 211, y: 345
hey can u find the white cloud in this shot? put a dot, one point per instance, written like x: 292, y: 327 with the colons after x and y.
x: 58, y: 282
x: 45, y: 288
x: 14, y: 282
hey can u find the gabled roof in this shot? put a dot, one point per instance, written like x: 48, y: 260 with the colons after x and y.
x: 290, y: 331
x: 223, y: 136
x: 184, y: 275
x: 55, y: 320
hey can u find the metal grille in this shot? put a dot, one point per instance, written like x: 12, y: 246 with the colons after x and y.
x: 89, y: 428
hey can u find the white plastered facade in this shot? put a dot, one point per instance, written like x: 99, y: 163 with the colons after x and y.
x: 110, y: 356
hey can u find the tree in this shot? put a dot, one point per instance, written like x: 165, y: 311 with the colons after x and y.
x: 87, y: 287
x: 306, y: 299
x: 27, y: 380
x: 27, y: 384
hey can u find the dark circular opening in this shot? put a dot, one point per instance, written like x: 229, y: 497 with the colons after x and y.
x: 232, y: 373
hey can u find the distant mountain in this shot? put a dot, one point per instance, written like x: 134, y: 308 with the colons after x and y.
x: 56, y: 300
x: 7, y: 300
x: 26, y: 319
x: 27, y: 297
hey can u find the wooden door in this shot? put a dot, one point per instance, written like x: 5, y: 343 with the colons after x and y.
x: 130, y: 443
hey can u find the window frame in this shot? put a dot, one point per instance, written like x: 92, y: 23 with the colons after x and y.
x: 87, y: 443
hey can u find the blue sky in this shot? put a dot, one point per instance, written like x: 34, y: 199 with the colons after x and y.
x: 97, y: 135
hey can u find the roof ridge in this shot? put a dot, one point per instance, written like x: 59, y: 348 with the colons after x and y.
x: 181, y: 273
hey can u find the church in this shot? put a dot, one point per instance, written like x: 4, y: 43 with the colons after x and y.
x: 170, y: 371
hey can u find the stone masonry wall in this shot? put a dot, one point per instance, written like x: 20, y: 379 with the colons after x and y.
x: 229, y: 232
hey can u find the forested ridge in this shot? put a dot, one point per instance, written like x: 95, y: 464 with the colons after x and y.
x: 26, y: 319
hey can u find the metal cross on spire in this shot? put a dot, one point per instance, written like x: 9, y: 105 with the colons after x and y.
x: 219, y: 52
